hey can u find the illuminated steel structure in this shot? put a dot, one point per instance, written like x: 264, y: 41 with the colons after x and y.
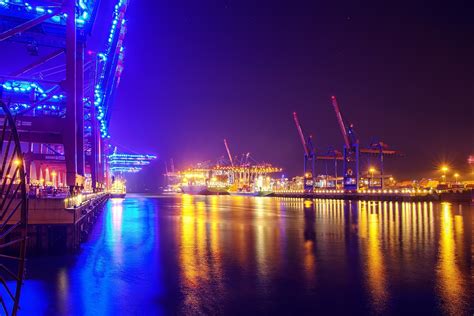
x: 63, y: 121
x: 350, y: 156
x: 128, y: 163
x: 309, y: 157
x: 352, y: 152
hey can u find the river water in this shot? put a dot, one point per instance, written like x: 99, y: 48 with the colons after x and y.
x: 243, y: 255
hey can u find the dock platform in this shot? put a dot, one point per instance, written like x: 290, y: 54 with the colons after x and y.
x: 382, y: 195
x: 58, y: 224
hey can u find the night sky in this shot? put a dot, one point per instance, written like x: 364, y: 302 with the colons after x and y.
x: 200, y: 71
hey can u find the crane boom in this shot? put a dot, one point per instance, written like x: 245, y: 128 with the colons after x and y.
x: 228, y: 152
x: 300, y: 133
x: 342, y: 126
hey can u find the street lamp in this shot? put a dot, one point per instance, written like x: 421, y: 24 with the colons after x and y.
x: 53, y: 175
x: 456, y: 176
x: 372, y: 171
x: 444, y: 170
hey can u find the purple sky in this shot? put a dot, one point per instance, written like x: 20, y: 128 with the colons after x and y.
x: 197, y: 72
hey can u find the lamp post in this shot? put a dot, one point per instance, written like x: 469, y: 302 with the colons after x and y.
x: 53, y: 175
x: 371, y: 181
x: 456, y: 177
x: 444, y: 170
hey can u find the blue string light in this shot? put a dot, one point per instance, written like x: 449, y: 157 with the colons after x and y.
x: 107, y: 58
x: 84, y: 9
x: 129, y: 163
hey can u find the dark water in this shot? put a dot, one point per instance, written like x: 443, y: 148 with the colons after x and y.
x: 240, y: 255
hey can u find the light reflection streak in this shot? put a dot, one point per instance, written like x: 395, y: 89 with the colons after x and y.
x: 370, y: 232
x: 309, y: 259
x: 377, y: 249
x: 63, y: 290
x: 262, y: 244
x: 115, y: 236
x: 200, y: 253
x: 450, y: 282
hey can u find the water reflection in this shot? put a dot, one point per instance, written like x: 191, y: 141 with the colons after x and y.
x: 200, y: 254
x: 451, y: 284
x: 309, y: 241
x: 371, y: 221
x: 241, y: 255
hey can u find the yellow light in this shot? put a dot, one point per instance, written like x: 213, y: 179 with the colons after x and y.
x: 17, y: 161
x: 372, y: 170
x: 444, y: 168
x: 456, y: 175
x: 53, y: 173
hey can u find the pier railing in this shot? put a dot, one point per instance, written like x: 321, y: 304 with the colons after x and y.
x: 466, y: 195
x: 81, y: 199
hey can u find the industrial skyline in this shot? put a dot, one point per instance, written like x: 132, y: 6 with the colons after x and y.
x: 235, y: 157
x: 238, y: 70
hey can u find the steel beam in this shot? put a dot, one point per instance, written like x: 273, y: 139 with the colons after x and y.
x: 377, y: 151
x: 80, y: 107
x: 69, y: 132
x: 50, y: 158
x: 38, y: 63
x: 39, y: 124
x: 329, y: 158
x: 29, y: 24
x: 94, y: 150
x: 45, y: 138
x: 41, y: 130
x: 37, y: 80
x: 33, y: 105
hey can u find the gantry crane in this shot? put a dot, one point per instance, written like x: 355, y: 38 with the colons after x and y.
x: 309, y: 156
x: 352, y: 152
x: 228, y: 152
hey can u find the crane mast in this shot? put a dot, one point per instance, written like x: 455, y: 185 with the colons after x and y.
x: 309, y: 157
x: 340, y: 121
x: 228, y: 152
x: 300, y: 133
x: 351, y: 150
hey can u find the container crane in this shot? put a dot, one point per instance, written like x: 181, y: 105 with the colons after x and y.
x: 228, y: 152
x: 309, y: 156
x: 332, y: 155
x: 380, y: 149
x: 351, y: 150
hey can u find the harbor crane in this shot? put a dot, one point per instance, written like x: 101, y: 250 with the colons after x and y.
x: 228, y: 152
x: 352, y: 151
x: 309, y: 156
